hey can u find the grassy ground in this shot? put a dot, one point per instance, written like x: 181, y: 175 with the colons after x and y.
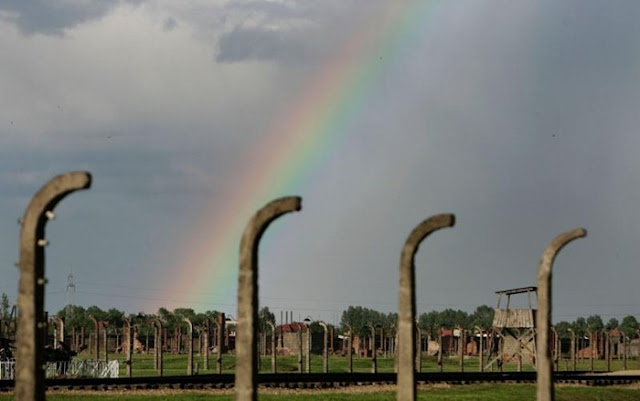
x: 435, y: 393
x: 177, y: 364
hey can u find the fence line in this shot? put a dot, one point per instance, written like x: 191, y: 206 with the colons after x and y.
x: 84, y: 368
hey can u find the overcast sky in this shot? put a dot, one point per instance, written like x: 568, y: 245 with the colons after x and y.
x: 519, y: 117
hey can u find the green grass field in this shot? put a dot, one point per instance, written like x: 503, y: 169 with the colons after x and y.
x: 177, y: 364
x: 456, y: 393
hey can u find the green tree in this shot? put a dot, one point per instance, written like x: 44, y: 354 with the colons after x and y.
x: 264, y: 316
x: 169, y: 320
x: 164, y: 314
x: 629, y: 326
x: 612, y: 324
x: 579, y: 326
x: 390, y: 320
x: 360, y: 318
x: 180, y: 313
x: 450, y: 318
x: 562, y: 328
x: 76, y: 317
x: 212, y: 315
x: 5, y: 308
x: 114, y: 317
x: 97, y: 313
x: 595, y: 323
x: 482, y: 317
x: 429, y: 321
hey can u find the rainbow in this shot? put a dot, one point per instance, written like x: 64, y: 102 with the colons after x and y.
x: 292, y: 149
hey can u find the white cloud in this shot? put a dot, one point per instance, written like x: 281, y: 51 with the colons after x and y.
x: 458, y: 120
x: 55, y: 17
x: 107, y: 79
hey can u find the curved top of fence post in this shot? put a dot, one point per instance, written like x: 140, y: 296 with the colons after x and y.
x: 544, y: 386
x: 350, y: 328
x: 422, y: 230
x: 246, y: 356
x: 29, y: 373
x: 158, y: 323
x: 189, y: 324
x: 407, y: 312
x: 46, y: 199
x: 271, y: 326
x: 263, y: 217
x: 552, y: 250
x: 95, y: 321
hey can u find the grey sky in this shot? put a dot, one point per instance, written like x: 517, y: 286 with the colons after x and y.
x: 519, y: 117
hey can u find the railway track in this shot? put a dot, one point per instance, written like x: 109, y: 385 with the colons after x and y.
x: 320, y: 380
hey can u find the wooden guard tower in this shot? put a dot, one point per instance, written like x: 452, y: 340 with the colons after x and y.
x: 514, y: 331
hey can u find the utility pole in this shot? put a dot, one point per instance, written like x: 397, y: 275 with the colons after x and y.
x: 71, y: 290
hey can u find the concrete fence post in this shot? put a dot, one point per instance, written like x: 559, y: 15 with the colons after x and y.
x: 372, y: 346
x: 96, y: 339
x: 350, y: 349
x: 189, y: 346
x: 105, y: 340
x: 246, y: 380
x: 591, y: 351
x: 544, y: 387
x: 207, y: 344
x: 308, y: 353
x: 158, y: 346
x: 74, y: 340
x: 129, y: 347
x: 573, y: 349
x: 274, y: 353
x: 29, y: 376
x: 146, y: 340
x: 638, y: 334
x: 607, y: 350
x: 407, y: 316
x: 300, y: 358
x: 418, y: 348
x: 461, y: 345
x: 480, y: 349
x: 220, y: 324
x: 392, y: 347
x: 219, y: 341
x: 440, y: 344
x: 556, y: 349
x: 624, y: 340
x: 325, y: 349
x: 59, y: 337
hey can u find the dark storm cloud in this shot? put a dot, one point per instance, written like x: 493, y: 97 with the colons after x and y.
x: 518, y: 117
x: 170, y: 24
x: 257, y: 44
x: 53, y: 17
x: 270, y: 8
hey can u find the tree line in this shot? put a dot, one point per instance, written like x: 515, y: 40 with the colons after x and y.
x: 358, y: 317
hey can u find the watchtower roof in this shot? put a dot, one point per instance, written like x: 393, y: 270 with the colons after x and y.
x: 518, y: 290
